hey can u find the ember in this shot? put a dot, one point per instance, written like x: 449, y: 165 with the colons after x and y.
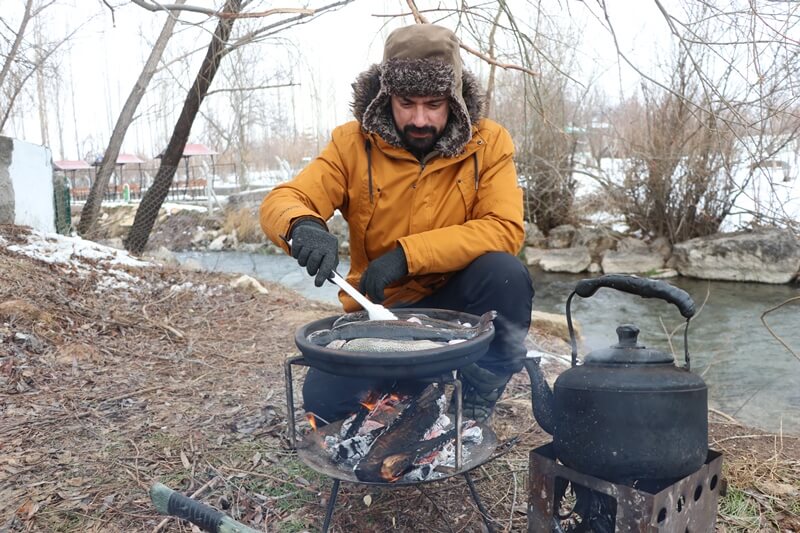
x: 393, y: 438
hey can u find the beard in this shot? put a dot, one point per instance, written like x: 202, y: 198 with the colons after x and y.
x: 420, y: 141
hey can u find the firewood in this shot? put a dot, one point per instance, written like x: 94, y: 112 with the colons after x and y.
x: 402, y: 436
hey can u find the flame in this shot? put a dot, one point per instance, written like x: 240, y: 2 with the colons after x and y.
x: 371, y: 401
x: 312, y: 420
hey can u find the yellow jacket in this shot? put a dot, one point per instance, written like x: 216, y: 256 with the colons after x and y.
x: 443, y: 213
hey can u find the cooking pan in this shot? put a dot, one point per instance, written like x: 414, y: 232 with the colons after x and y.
x: 396, y: 365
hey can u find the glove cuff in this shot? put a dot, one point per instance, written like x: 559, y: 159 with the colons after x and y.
x: 306, y: 221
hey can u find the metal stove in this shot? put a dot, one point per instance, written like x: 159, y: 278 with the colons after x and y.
x: 688, y: 505
x: 310, y: 450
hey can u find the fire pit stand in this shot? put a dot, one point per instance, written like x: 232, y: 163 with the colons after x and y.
x: 687, y: 505
x: 310, y: 450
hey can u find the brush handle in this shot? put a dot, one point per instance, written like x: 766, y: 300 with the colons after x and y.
x: 375, y: 311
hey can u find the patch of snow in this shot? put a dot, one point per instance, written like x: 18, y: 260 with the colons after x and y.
x: 59, y: 249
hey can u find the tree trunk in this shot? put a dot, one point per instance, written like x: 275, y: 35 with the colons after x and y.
x: 170, y: 159
x: 91, y: 210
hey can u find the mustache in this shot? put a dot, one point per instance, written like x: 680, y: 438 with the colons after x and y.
x: 414, y: 129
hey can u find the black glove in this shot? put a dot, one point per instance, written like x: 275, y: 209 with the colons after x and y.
x: 384, y: 271
x: 315, y: 249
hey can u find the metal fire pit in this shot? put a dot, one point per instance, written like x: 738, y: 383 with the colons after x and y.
x: 310, y: 450
x: 687, y: 505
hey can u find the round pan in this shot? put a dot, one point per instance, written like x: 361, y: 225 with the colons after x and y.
x: 395, y: 365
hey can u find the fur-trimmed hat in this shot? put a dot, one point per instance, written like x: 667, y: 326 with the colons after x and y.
x: 419, y: 60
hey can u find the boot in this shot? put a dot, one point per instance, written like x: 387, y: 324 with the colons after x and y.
x: 481, y: 389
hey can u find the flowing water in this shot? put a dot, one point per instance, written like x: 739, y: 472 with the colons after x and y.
x: 750, y: 375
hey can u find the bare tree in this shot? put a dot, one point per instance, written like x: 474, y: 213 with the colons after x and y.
x: 91, y: 210
x: 171, y: 157
x: 23, y: 55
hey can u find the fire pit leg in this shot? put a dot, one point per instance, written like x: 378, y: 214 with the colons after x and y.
x: 331, y: 505
x: 484, y: 514
x: 287, y: 369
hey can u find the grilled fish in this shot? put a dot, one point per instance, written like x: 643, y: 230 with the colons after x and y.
x: 401, y: 330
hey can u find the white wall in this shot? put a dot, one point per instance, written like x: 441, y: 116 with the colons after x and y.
x: 31, y: 173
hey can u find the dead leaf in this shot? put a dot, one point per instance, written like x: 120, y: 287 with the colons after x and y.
x: 256, y: 459
x: 367, y: 500
x: 185, y: 461
x: 28, y: 509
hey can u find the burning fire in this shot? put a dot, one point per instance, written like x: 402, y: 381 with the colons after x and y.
x: 312, y: 420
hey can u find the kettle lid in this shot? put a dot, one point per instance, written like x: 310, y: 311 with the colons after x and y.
x: 628, y: 351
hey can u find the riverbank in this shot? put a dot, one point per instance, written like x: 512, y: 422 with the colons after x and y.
x: 114, y: 376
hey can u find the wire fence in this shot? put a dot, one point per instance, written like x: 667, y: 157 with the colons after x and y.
x: 191, y: 182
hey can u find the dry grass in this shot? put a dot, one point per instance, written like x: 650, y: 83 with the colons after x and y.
x: 245, y: 222
x: 104, y: 393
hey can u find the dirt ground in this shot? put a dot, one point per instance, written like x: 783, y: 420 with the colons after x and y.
x: 178, y: 378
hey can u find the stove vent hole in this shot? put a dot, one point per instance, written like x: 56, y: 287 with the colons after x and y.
x: 713, y: 484
x: 662, y: 515
x: 698, y: 492
x: 681, y: 503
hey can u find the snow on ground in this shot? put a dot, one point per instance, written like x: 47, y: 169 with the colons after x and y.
x: 73, y: 251
x: 116, y: 269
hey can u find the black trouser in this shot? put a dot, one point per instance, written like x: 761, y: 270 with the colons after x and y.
x: 495, y: 281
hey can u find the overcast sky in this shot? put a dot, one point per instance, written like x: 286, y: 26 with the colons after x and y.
x: 106, y: 56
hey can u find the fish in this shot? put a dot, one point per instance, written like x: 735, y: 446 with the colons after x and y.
x: 389, y: 345
x: 401, y: 330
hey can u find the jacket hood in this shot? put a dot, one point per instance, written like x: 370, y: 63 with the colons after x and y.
x: 419, y: 60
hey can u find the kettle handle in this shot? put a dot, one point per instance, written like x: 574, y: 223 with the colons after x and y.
x: 644, y: 287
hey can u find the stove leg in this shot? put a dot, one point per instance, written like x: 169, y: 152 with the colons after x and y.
x: 484, y: 514
x: 331, y: 505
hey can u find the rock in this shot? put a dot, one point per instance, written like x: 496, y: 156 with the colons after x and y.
x: 561, y: 236
x: 573, y: 260
x: 193, y: 265
x: 533, y: 255
x: 218, y: 243
x: 246, y: 282
x: 199, y: 236
x: 631, y: 262
x: 661, y: 246
x: 534, y: 236
x: 164, y: 256
x: 763, y: 256
x: 594, y: 268
x: 631, y: 244
x: 553, y: 324
x: 597, y: 240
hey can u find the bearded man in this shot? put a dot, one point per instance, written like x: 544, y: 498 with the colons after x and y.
x: 429, y: 190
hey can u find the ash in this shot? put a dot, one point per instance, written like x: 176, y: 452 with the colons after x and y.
x: 350, y: 446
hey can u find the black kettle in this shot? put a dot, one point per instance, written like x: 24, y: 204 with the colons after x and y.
x: 628, y: 413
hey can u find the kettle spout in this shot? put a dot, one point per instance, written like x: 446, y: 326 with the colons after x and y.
x: 541, y: 395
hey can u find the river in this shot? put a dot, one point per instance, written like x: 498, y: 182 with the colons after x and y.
x: 750, y: 375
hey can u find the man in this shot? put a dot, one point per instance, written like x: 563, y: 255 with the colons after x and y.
x: 430, y: 193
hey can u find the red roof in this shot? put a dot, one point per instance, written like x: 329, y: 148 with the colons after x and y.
x: 124, y: 159
x: 197, y: 149
x: 66, y: 164
x: 191, y: 150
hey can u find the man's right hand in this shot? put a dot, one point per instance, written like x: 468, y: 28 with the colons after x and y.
x: 315, y: 249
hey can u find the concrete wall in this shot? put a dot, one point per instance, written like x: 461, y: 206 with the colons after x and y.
x: 26, y: 185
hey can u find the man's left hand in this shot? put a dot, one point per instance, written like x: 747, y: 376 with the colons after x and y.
x: 382, y: 272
